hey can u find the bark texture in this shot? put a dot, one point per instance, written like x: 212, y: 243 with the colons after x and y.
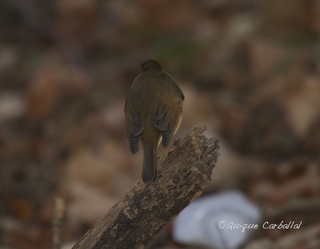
x: 136, y: 220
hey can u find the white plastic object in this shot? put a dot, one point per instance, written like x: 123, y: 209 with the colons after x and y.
x: 221, y: 221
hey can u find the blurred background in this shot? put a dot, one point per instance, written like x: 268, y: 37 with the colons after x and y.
x: 249, y: 70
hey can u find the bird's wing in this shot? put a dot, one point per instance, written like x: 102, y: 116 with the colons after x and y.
x: 134, y: 126
x: 168, y: 118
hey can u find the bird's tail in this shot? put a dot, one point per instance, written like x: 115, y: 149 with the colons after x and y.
x: 149, y: 172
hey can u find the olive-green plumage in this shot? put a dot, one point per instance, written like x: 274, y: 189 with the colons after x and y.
x: 153, y: 111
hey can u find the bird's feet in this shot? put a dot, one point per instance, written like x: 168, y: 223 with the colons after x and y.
x: 176, y: 143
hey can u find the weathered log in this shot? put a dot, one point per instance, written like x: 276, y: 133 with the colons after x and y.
x: 136, y: 220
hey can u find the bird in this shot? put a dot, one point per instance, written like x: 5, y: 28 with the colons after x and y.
x: 153, y: 114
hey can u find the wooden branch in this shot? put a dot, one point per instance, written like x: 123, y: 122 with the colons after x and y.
x: 136, y: 220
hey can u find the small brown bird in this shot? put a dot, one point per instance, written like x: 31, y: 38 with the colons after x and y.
x: 153, y: 111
